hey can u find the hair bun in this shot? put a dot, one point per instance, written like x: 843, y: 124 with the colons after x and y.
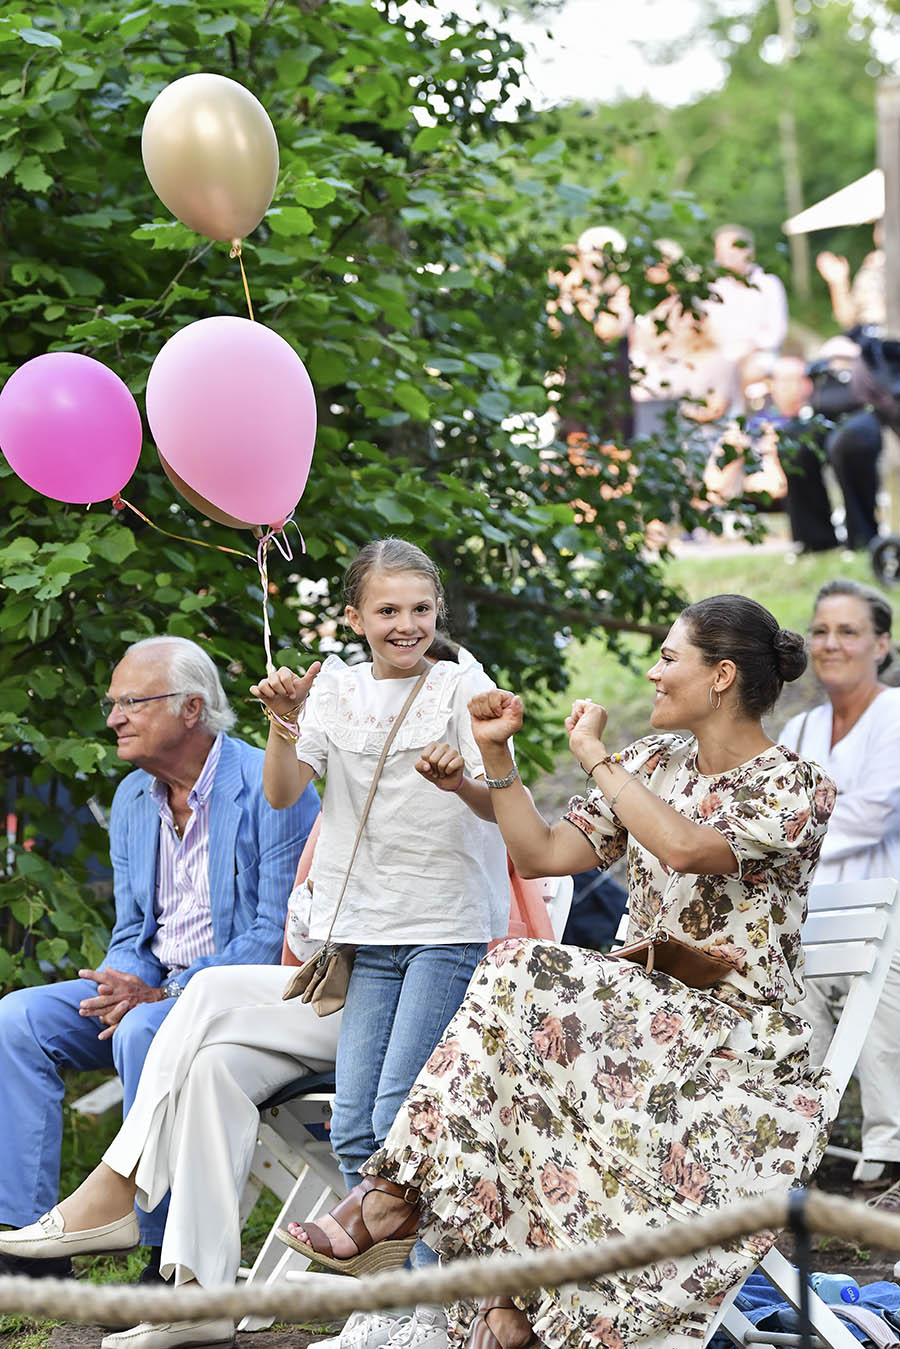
x: 790, y: 653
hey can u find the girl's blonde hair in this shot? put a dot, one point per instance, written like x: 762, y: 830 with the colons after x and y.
x: 389, y: 555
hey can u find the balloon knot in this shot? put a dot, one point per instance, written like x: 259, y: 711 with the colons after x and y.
x: 235, y: 248
x: 117, y: 503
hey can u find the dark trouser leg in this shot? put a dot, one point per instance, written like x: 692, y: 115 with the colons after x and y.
x: 809, y: 509
x: 853, y: 448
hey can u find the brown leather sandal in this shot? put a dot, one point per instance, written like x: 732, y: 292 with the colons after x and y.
x: 371, y: 1256
x: 482, y: 1337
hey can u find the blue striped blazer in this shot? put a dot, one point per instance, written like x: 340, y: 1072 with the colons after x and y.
x: 253, y: 852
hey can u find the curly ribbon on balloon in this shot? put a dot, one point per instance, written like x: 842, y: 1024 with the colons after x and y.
x: 265, y: 541
x: 236, y: 253
x: 262, y: 561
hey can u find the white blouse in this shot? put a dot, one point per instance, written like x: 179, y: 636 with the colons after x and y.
x: 863, y: 838
x: 428, y: 871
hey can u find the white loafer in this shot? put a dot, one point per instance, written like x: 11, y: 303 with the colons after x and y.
x: 47, y: 1238
x: 169, y: 1335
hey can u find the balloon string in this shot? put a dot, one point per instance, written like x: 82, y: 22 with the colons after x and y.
x: 263, y: 564
x: 119, y: 501
x: 265, y: 541
x: 236, y: 253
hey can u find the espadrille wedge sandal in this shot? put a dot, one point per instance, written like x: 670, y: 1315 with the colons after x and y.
x: 371, y: 1256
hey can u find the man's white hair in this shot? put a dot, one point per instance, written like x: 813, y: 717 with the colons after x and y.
x: 192, y: 672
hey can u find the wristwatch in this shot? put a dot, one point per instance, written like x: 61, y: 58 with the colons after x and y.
x: 172, y: 989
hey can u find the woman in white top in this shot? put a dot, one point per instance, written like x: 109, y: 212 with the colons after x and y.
x: 855, y: 737
x: 429, y: 886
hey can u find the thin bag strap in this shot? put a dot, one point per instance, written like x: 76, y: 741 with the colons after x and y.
x: 377, y: 774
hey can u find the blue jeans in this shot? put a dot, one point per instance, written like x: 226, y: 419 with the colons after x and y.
x: 399, y: 1002
x: 40, y: 1033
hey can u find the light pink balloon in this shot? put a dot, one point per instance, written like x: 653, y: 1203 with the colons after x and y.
x: 232, y: 410
x: 69, y: 427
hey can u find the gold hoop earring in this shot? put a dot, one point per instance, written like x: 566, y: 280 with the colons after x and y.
x: 718, y: 703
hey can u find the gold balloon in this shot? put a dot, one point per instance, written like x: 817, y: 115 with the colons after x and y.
x: 211, y: 155
x: 200, y: 503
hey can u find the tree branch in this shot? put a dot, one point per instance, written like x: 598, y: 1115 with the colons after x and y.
x: 566, y: 614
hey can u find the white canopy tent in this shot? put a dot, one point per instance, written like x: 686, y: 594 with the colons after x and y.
x: 858, y: 203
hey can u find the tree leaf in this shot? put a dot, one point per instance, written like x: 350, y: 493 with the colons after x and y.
x: 31, y: 175
x: 314, y: 192
x: 290, y: 220
x: 39, y: 37
x: 412, y: 399
x: 9, y: 159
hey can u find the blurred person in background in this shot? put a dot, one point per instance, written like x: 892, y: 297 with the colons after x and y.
x: 675, y: 361
x: 747, y: 311
x: 860, y: 304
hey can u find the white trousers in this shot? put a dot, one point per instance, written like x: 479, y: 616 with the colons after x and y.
x: 878, y: 1066
x: 228, y: 1045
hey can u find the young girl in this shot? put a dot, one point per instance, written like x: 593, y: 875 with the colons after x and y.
x: 429, y: 887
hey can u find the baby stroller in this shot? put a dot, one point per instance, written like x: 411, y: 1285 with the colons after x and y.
x: 876, y: 380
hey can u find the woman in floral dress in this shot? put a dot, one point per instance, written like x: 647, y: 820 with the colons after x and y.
x: 575, y: 1096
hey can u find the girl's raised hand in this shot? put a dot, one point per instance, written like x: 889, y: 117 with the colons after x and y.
x: 496, y: 716
x: 285, y: 692
x: 586, y: 724
x: 441, y: 764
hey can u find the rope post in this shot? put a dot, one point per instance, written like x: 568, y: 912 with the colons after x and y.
x: 799, y: 1227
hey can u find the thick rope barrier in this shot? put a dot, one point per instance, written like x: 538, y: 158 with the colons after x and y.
x: 116, y: 1304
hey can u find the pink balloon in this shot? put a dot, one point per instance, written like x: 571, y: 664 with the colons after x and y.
x: 69, y: 427
x: 232, y: 410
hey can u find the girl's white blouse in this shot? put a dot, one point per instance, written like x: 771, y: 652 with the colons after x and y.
x: 427, y: 871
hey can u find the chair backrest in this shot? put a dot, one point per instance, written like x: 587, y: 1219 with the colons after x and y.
x: 539, y: 908
x: 303, y: 869
x: 852, y: 928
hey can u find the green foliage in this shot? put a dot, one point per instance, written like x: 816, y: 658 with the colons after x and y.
x: 405, y: 258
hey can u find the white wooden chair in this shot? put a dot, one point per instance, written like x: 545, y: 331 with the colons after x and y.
x: 853, y: 928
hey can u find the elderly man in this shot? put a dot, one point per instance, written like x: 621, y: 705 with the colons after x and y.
x: 202, y: 870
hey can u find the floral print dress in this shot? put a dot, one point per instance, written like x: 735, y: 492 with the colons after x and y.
x: 575, y: 1097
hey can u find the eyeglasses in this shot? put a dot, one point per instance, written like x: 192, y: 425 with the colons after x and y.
x: 844, y: 633
x: 128, y: 704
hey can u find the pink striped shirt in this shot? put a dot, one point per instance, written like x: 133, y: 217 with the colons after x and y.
x: 184, y: 917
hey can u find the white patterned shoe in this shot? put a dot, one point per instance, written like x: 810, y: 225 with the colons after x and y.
x: 362, y: 1330
x: 146, y: 1335
x: 47, y: 1239
x: 427, y: 1329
